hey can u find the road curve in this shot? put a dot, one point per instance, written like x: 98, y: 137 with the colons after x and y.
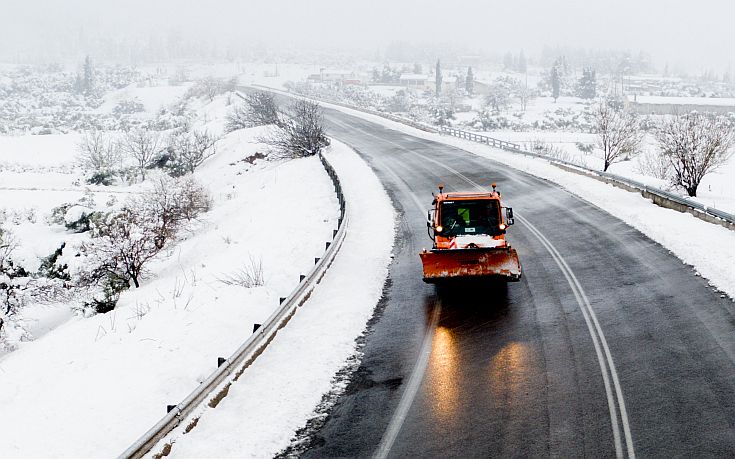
x: 609, y: 346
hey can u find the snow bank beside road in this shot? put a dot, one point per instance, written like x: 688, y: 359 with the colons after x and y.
x: 91, y: 386
x: 709, y: 248
x: 281, y: 389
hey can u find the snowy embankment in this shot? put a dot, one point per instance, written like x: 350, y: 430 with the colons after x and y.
x: 280, y: 390
x: 708, y: 248
x: 91, y: 386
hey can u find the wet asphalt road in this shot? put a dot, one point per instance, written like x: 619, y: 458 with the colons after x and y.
x: 524, y: 370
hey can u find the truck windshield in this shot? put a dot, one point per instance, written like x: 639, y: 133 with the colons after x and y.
x: 470, y: 217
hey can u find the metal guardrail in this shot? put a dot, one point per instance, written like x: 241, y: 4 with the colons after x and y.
x: 220, y: 379
x: 515, y: 148
x: 473, y: 136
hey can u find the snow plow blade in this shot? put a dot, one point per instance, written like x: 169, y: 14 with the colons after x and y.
x: 497, y: 263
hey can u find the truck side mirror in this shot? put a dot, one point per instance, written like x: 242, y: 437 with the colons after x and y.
x: 509, y: 220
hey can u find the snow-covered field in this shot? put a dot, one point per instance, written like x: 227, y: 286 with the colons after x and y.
x: 87, y: 387
x: 151, y: 97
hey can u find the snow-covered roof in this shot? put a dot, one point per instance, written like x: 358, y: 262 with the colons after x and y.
x: 338, y: 72
x: 717, y: 101
x: 413, y: 76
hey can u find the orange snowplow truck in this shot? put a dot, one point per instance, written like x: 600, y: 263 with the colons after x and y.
x: 468, y: 230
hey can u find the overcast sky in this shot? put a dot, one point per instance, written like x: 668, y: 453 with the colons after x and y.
x: 698, y: 32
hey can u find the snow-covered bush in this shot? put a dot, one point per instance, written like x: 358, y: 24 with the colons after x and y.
x: 176, y: 116
x: 441, y: 113
x: 100, y: 157
x: 488, y: 120
x: 186, y: 151
x: 548, y: 149
x: 79, y: 218
x: 300, y: 133
x: 585, y: 147
x: 13, y: 281
x: 210, y: 88
x: 566, y: 119
x: 141, y: 146
x: 654, y: 164
x: 128, y: 107
x: 258, y: 109
x: 125, y: 241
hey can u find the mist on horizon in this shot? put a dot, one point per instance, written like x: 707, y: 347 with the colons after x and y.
x: 47, y: 31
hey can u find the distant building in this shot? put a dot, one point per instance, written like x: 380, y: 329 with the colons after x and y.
x: 449, y: 84
x: 338, y: 77
x: 415, y: 81
x: 480, y: 88
x: 659, y: 105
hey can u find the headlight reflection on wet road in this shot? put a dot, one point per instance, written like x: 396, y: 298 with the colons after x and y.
x: 443, y: 374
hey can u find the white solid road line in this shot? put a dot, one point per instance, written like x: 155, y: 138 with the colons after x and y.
x: 599, y: 342
x: 412, y: 388
x: 586, y: 304
x: 579, y: 295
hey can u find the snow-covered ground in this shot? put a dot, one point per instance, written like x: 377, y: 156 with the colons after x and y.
x: 716, y: 189
x: 87, y: 387
x: 151, y: 97
x: 282, y: 388
x: 711, y: 253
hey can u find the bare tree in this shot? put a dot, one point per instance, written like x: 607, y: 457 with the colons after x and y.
x: 695, y: 145
x: 125, y: 241
x: 618, y: 132
x: 10, y: 300
x: 301, y: 133
x: 258, y: 109
x: 143, y: 146
x: 498, y: 99
x: 524, y: 96
x: 171, y: 201
x: 123, y: 245
x: 99, y: 154
x: 208, y: 87
x: 191, y: 149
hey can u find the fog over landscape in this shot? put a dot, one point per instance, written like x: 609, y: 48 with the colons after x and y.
x: 671, y: 31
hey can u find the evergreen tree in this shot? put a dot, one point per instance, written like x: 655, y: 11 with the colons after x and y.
x: 522, y: 64
x: 587, y: 87
x: 508, y: 61
x: 469, y: 82
x: 438, y: 77
x: 88, y: 80
x: 555, y: 82
x: 417, y: 69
